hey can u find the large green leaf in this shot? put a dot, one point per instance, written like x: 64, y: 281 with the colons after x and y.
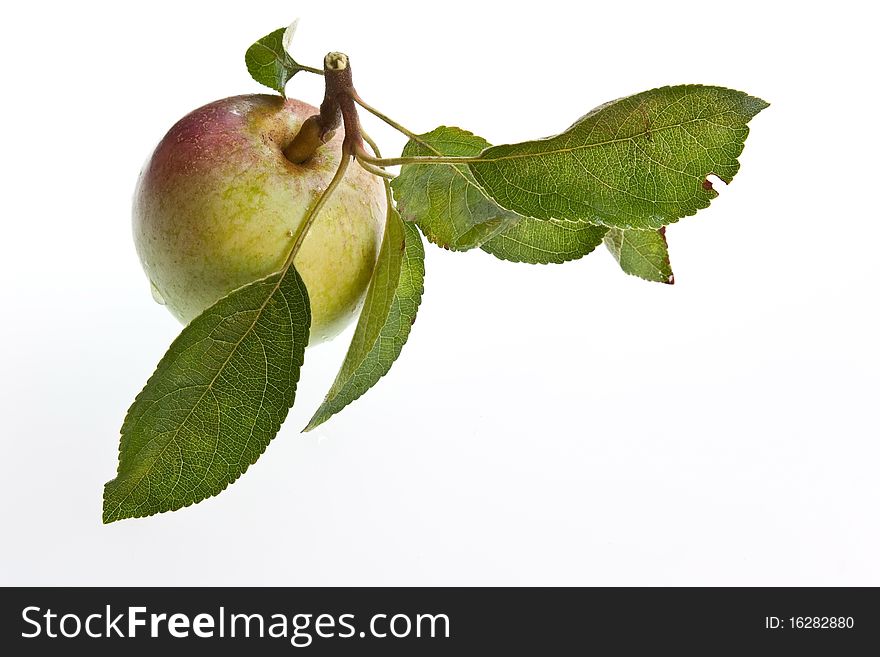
x: 442, y: 198
x: 453, y: 212
x: 269, y: 63
x: 215, y: 400
x: 386, y: 319
x: 642, y: 253
x: 638, y: 162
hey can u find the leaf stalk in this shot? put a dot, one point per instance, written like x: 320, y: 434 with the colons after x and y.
x: 363, y: 156
x: 304, y: 227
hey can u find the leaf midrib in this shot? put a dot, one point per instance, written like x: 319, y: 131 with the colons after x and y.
x: 562, y: 151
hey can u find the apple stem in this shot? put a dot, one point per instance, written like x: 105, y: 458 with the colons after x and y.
x: 337, y: 108
x: 312, y: 134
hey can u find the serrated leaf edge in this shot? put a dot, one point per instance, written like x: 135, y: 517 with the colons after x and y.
x: 107, y: 519
x: 420, y: 291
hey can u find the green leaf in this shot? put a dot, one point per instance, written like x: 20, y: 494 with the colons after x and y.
x: 215, y: 400
x: 452, y: 211
x: 642, y: 253
x: 269, y: 63
x: 443, y: 199
x: 545, y: 242
x: 638, y: 162
x: 384, y: 325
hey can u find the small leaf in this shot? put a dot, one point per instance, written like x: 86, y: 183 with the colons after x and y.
x: 384, y: 325
x: 443, y: 199
x: 638, y: 162
x: 215, y: 400
x: 642, y: 253
x: 268, y: 61
x: 545, y: 242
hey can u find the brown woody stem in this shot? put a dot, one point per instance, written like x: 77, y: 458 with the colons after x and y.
x: 337, y: 107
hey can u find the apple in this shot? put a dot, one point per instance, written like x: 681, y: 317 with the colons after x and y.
x: 217, y: 206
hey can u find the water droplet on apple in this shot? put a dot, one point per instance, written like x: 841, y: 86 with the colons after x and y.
x: 157, y: 296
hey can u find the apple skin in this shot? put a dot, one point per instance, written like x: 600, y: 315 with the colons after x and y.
x: 217, y: 205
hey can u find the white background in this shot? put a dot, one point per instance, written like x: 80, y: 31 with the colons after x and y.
x: 544, y: 425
